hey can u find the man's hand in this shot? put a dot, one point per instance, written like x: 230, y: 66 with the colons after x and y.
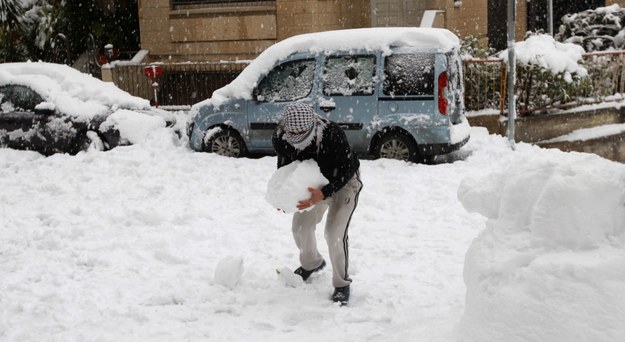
x: 316, y: 196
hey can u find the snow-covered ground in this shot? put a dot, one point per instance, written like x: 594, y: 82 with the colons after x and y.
x: 153, y: 242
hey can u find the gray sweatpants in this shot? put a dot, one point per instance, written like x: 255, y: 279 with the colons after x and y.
x: 340, y: 207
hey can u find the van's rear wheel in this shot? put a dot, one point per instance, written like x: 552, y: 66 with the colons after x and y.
x: 396, y: 146
x: 226, y: 143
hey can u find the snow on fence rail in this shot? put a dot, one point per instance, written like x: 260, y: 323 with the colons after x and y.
x: 485, y: 83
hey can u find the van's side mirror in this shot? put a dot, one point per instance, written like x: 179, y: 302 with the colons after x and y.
x: 257, y: 96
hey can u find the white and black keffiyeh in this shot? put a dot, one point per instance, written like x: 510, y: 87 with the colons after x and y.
x: 301, y: 125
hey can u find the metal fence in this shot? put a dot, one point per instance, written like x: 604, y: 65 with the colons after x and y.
x: 536, y: 91
x: 485, y: 83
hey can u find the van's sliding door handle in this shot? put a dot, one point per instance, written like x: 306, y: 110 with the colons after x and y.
x: 327, y: 108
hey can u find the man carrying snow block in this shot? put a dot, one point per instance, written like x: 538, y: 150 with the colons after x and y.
x: 303, y: 135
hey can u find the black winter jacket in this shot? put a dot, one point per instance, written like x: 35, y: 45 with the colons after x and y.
x: 336, y: 160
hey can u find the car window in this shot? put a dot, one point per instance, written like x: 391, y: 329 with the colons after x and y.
x: 349, y: 75
x: 18, y: 98
x: 287, y: 82
x: 454, y: 62
x: 409, y: 74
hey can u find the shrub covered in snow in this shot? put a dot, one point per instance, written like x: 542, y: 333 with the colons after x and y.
x: 549, y: 73
x: 595, y: 30
x: 59, y: 31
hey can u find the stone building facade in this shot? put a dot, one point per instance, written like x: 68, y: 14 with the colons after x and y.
x: 229, y: 30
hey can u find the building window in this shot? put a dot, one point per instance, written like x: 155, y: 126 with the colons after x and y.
x: 207, y: 2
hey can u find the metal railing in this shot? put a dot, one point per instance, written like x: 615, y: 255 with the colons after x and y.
x: 486, y: 87
x: 484, y: 84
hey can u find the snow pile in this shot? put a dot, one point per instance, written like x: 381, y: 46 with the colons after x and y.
x: 288, y: 278
x: 353, y: 39
x: 542, y: 50
x: 229, y: 271
x: 550, y: 266
x: 290, y: 183
x: 133, y: 127
x: 71, y: 91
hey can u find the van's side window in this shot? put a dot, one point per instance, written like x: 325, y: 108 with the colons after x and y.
x: 287, y: 82
x: 409, y: 74
x: 349, y: 75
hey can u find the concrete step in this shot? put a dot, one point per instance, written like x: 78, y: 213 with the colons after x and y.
x: 532, y: 129
x: 598, y: 129
x: 607, y: 141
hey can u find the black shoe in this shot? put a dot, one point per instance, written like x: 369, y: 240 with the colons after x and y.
x: 306, y: 274
x: 341, y: 295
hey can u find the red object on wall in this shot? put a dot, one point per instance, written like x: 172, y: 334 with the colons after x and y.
x: 153, y: 71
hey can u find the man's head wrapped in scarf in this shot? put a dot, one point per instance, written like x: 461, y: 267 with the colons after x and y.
x: 301, y: 124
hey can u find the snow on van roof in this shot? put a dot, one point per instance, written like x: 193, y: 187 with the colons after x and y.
x: 382, y: 38
x: 71, y: 91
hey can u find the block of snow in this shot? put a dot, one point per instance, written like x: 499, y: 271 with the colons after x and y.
x: 289, y: 184
x: 550, y: 265
x: 288, y: 278
x: 229, y: 271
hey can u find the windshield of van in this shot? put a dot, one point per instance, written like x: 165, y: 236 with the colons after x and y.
x: 409, y: 74
x: 349, y: 75
x: 287, y: 82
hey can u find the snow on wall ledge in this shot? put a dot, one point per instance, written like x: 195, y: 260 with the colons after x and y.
x: 550, y: 265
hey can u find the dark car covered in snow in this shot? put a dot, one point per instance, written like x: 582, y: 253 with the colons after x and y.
x: 52, y: 108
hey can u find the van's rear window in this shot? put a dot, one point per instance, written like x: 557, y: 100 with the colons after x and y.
x: 409, y: 74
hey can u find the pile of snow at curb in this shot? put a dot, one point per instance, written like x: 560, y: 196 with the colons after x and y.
x: 289, y: 184
x: 550, y: 265
x: 133, y: 127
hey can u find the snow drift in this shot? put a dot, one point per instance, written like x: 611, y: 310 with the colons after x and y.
x: 550, y: 265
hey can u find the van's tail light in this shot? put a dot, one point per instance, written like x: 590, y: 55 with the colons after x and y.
x: 442, y: 93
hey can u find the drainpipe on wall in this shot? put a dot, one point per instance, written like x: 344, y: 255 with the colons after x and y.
x: 550, y: 16
x: 429, y: 16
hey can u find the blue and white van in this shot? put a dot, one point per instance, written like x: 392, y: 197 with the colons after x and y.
x: 397, y: 93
